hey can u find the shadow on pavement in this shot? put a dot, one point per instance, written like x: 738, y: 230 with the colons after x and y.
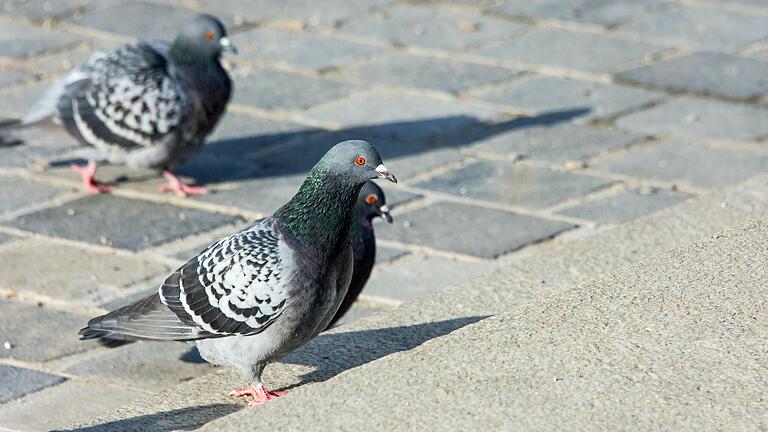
x: 294, y: 153
x: 333, y: 353
x: 330, y: 353
x: 180, y: 419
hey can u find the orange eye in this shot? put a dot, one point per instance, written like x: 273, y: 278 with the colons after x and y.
x: 209, y: 35
x: 371, y: 199
x: 360, y: 161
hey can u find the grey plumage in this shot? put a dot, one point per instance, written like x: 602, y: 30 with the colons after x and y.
x: 147, y: 105
x: 253, y: 297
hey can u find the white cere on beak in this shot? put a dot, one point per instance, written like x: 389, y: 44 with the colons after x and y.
x: 227, y: 45
x: 385, y: 174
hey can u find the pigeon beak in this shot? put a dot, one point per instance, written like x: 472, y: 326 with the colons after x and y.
x: 384, y: 173
x: 385, y: 213
x: 227, y: 45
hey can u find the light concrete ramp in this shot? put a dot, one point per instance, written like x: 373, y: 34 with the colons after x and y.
x: 366, y: 341
x: 674, y: 342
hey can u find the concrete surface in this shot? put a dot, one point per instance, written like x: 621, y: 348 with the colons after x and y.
x: 549, y: 271
x: 676, y: 342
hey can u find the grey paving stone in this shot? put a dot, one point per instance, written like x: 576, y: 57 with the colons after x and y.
x: 433, y: 27
x: 514, y: 184
x: 308, y: 13
x: 233, y: 151
x: 18, y: 193
x: 691, y: 164
x: 470, y: 230
x: 264, y: 195
x: 39, y: 334
x: 151, y: 288
x: 626, y: 205
x: 427, y: 73
x: 57, y: 407
x: 571, y: 50
x: 13, y: 104
x: 548, y: 94
x: 416, y: 275
x: 404, y: 157
x: 9, y: 77
x: 120, y: 222
x: 703, y: 27
x: 407, y: 115
x: 137, y: 18
x: 698, y: 118
x: 559, y: 143
x: 397, y: 197
x: 68, y: 273
x: 146, y: 365
x: 22, y: 156
x: 704, y: 72
x: 303, y: 50
x: 34, y: 41
x: 259, y: 131
x: 272, y: 90
x: 386, y: 254
x: 602, y: 12
x: 38, y: 10
x: 18, y: 381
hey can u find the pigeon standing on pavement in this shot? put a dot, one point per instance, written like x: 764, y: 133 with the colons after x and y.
x: 146, y: 105
x: 371, y: 204
x: 251, y: 298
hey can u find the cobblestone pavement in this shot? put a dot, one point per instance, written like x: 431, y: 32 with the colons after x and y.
x: 512, y: 124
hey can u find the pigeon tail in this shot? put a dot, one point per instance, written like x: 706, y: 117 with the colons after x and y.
x: 146, y: 319
x: 105, y: 338
x: 8, y: 130
x: 13, y: 132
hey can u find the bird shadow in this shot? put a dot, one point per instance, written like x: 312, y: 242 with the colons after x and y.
x: 294, y: 153
x: 335, y: 352
x: 188, y: 418
x: 329, y: 353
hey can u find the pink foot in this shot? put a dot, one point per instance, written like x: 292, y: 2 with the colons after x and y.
x: 87, y: 174
x: 179, y: 188
x: 259, y: 394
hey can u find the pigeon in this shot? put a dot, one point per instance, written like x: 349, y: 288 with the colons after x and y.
x: 145, y: 104
x: 370, y: 204
x: 253, y: 297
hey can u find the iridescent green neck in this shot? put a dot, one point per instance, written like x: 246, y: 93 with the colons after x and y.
x: 319, y: 214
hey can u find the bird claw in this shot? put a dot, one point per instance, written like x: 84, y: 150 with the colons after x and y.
x: 180, y: 188
x: 258, y: 394
x: 87, y: 174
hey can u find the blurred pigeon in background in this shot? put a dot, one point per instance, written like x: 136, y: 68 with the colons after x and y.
x: 146, y: 104
x: 255, y: 296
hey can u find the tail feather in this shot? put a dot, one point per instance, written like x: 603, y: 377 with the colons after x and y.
x: 8, y: 128
x: 147, y: 319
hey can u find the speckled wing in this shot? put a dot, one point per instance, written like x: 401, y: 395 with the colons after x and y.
x: 127, y: 97
x: 235, y: 286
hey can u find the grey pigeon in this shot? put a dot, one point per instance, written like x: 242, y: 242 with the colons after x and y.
x: 251, y: 298
x: 146, y: 105
x: 371, y: 204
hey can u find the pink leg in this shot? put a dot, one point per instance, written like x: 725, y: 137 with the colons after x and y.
x: 178, y: 187
x: 87, y: 174
x: 259, y: 394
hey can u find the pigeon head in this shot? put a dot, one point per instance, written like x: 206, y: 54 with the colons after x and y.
x: 371, y: 202
x: 321, y: 212
x: 354, y: 161
x: 205, y: 36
